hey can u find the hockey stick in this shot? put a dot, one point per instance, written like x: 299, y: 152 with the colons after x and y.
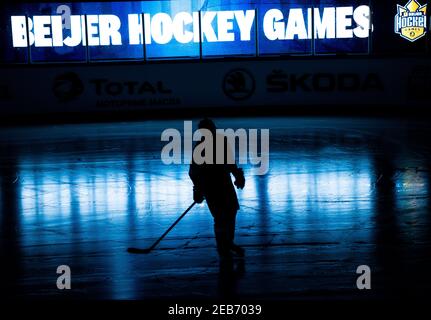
x: 148, y: 250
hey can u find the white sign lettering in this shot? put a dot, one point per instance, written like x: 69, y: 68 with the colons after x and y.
x: 190, y: 27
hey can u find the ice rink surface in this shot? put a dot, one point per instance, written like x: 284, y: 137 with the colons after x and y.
x: 339, y: 193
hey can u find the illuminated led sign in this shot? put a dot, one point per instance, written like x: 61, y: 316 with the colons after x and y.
x: 188, y: 28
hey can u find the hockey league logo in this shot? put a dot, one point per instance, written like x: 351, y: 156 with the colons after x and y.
x: 411, y: 20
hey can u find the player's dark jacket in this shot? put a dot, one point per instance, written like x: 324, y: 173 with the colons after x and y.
x: 215, y: 183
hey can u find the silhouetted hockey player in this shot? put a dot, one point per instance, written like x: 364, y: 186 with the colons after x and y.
x: 213, y: 183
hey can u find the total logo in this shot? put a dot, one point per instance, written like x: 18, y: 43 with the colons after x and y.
x: 67, y: 86
x: 411, y: 21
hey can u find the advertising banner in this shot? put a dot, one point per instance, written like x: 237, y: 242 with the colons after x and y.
x: 182, y: 29
x: 288, y: 84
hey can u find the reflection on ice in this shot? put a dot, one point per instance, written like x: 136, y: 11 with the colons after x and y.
x: 331, y: 199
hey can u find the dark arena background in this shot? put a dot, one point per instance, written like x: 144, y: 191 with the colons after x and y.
x: 340, y: 211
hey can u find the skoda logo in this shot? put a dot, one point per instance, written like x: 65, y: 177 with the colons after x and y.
x: 239, y: 84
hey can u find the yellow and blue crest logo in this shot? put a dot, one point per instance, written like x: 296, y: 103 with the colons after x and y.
x: 411, y: 20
